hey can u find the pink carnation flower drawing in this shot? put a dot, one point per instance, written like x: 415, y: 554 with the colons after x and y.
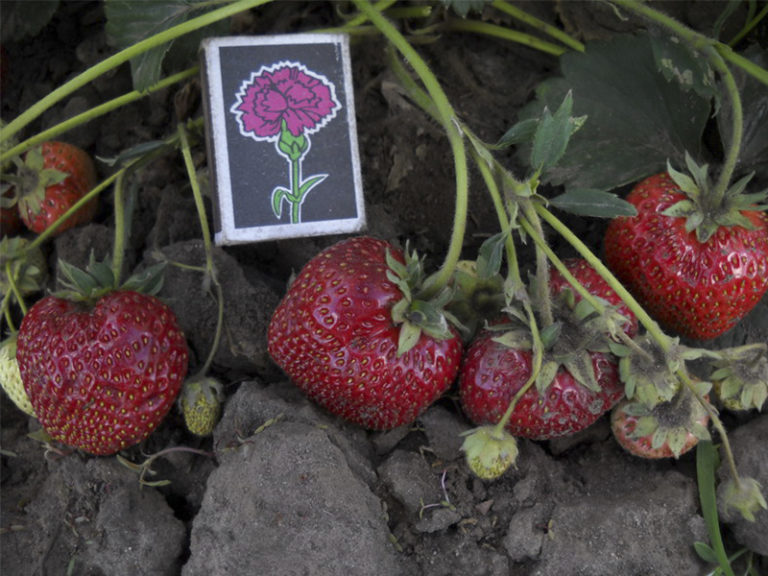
x: 285, y: 103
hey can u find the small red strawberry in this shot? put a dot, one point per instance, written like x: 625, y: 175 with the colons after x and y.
x: 353, y: 334
x: 697, y: 264
x: 494, y: 372
x: 101, y: 373
x: 50, y: 181
x: 669, y: 429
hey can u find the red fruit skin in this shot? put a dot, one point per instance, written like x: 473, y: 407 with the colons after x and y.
x: 61, y: 197
x: 333, y: 336
x: 696, y: 290
x: 493, y: 373
x: 595, y: 284
x: 101, y: 379
x: 622, y: 426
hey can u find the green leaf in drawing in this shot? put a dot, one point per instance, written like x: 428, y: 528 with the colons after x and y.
x: 637, y: 120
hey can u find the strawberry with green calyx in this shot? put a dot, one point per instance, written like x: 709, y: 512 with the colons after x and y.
x: 741, y: 377
x: 200, y: 403
x: 577, y: 381
x: 101, y: 366
x: 697, y: 262
x: 742, y: 495
x: 49, y: 182
x: 354, y: 333
x: 489, y: 451
x: 669, y: 429
x: 650, y: 373
x: 10, y: 377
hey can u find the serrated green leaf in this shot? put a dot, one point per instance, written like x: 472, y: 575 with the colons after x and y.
x: 520, y: 133
x: 130, y: 21
x: 637, y: 120
x: 490, y: 256
x: 552, y: 135
x: 593, y: 203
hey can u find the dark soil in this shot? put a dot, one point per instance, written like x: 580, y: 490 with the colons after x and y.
x: 287, y: 489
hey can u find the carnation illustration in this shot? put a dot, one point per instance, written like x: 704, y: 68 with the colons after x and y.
x: 285, y: 103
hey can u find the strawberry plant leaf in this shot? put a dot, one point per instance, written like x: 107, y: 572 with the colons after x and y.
x: 677, y: 62
x: 130, y: 21
x: 520, y: 133
x: 552, y: 135
x: 594, y: 203
x: 637, y: 120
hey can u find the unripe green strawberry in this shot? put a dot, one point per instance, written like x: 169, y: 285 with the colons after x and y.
x: 490, y: 451
x: 10, y: 377
x: 200, y: 402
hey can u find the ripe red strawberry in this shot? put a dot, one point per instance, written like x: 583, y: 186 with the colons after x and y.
x: 494, y: 372
x: 346, y: 335
x: 696, y: 268
x: 101, y: 378
x: 52, y: 179
x: 595, y: 284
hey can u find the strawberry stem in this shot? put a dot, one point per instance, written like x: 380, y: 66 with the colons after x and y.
x: 118, y: 250
x: 461, y: 25
x: 447, y: 118
x: 534, y: 22
x: 737, y: 126
x: 93, y: 113
x: 210, y: 267
x: 9, y: 273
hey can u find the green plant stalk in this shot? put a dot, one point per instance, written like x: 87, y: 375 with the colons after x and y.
x: 360, y: 18
x: 522, y: 16
x: 94, y: 113
x: 457, y: 25
x: 642, y: 316
x: 737, y: 126
x: 694, y: 38
x: 542, y: 266
x: 749, y: 26
x: 648, y: 323
x: 118, y: 249
x: 121, y: 57
x: 447, y: 119
x: 6, y: 308
x: 705, y: 474
x: 210, y: 267
x: 14, y: 287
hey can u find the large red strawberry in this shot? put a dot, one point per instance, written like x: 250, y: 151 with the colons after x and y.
x: 353, y: 334
x: 102, y: 376
x: 50, y: 181
x: 697, y: 264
